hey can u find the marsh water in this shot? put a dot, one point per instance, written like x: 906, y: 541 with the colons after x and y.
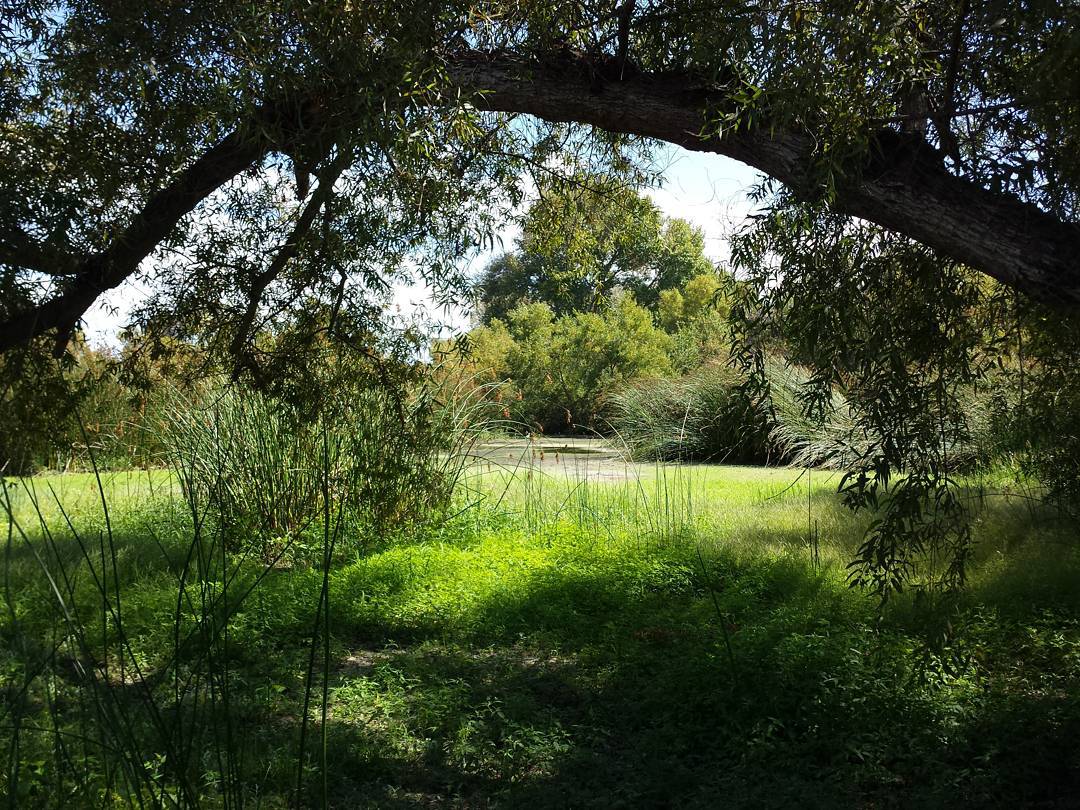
x: 573, y: 456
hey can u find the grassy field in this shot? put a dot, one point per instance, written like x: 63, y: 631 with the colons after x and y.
x: 671, y: 639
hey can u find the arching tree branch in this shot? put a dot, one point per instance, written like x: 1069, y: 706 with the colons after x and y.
x: 902, y: 185
x: 94, y: 275
x: 19, y: 249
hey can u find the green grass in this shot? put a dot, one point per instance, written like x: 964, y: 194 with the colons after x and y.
x: 660, y: 641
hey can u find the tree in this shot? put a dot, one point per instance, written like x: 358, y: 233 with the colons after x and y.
x: 558, y: 372
x: 700, y: 295
x: 590, y: 239
x: 506, y: 281
x: 134, y: 132
x: 585, y: 239
x: 682, y: 259
x: 178, y: 142
x: 593, y: 354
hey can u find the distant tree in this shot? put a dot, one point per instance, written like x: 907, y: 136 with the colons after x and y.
x: 584, y: 240
x: 594, y: 353
x: 507, y: 280
x: 700, y: 295
x: 557, y: 372
x: 681, y: 257
x: 591, y: 239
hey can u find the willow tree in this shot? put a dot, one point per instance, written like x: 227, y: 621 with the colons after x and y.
x: 255, y: 162
x: 179, y: 141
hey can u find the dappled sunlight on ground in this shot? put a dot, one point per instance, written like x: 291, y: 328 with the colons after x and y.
x: 664, y: 639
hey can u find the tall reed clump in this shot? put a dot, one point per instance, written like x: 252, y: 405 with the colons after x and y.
x: 832, y: 440
x: 129, y: 647
x: 391, y: 458
x: 703, y: 416
x: 707, y: 416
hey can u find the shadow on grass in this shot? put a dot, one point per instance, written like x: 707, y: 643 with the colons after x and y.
x: 639, y: 705
x: 609, y: 690
x: 566, y: 670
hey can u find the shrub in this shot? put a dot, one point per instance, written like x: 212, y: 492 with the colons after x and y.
x: 556, y: 374
x: 708, y: 415
x: 702, y: 416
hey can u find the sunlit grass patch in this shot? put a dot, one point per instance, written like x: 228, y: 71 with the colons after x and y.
x: 664, y: 637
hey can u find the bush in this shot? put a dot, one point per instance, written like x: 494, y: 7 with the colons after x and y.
x: 556, y: 374
x: 702, y: 416
x: 37, y: 400
x: 57, y: 414
x: 709, y: 415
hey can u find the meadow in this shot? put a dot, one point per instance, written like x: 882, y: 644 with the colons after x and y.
x: 683, y: 635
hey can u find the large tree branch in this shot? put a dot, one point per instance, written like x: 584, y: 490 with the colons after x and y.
x: 19, y: 249
x: 286, y: 253
x: 903, y: 185
x: 103, y: 271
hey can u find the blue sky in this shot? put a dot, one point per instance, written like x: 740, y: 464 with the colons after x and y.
x: 708, y: 190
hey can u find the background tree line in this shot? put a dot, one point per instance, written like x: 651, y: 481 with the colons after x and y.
x: 601, y: 291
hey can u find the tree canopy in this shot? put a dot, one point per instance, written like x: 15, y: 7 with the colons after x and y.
x: 178, y: 142
x: 584, y: 240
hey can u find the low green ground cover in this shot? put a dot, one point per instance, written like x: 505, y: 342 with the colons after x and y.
x: 667, y: 639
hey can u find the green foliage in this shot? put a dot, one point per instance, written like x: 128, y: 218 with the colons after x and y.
x: 564, y: 371
x: 556, y: 374
x: 384, y: 458
x: 583, y: 240
x: 701, y: 416
x: 590, y: 241
x: 508, y: 280
x: 488, y: 662
x: 900, y: 332
x: 58, y: 413
x: 341, y: 157
x: 596, y: 353
x: 36, y: 402
x: 706, y: 415
x: 242, y: 105
x: 679, y: 307
x: 1035, y: 412
x: 682, y: 264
